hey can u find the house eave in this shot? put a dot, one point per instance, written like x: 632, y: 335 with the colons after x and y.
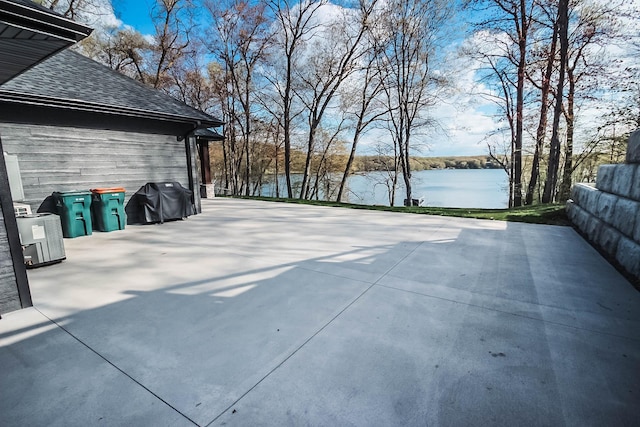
x: 29, y: 34
x: 42, y: 22
x: 74, y: 105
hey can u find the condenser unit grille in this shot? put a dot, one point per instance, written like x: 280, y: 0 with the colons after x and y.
x: 54, y: 236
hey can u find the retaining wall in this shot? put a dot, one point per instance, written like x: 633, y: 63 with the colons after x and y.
x: 609, y: 213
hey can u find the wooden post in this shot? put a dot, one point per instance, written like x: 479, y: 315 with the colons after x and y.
x: 205, y: 162
x: 19, y: 276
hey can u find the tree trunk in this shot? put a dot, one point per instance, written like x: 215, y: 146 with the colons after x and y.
x: 287, y: 125
x: 512, y: 186
x: 565, y: 186
x: 542, y: 123
x: 277, y: 171
x: 225, y: 161
x: 352, y: 155
x: 522, y: 63
x: 304, y: 187
x: 287, y: 159
x: 247, y: 136
x: 404, y: 163
x: 554, y: 152
x: 394, y: 184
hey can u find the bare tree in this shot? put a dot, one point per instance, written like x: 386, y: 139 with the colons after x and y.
x: 268, y: 102
x: 155, y: 62
x: 388, y: 164
x: 547, y: 57
x: 241, y: 36
x: 554, y: 150
x: 173, y: 22
x: 295, y: 23
x: 124, y: 50
x: 193, y: 86
x: 86, y: 11
x: 622, y: 117
x: 363, y: 104
x: 331, y: 147
x: 222, y: 90
x: 504, y: 99
x: 336, y: 52
x: 514, y: 19
x: 407, y: 34
x: 590, y: 27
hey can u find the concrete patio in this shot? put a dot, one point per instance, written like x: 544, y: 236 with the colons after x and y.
x: 259, y: 313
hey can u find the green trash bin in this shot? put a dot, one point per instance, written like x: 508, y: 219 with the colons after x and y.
x: 74, y: 208
x: 107, y: 207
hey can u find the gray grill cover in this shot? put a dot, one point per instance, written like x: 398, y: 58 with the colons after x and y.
x: 160, y: 202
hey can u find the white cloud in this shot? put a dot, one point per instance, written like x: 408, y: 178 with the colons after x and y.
x: 466, y: 117
x: 102, y: 15
x: 464, y: 134
x: 98, y: 14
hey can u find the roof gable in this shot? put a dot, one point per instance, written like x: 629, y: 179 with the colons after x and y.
x: 71, y: 80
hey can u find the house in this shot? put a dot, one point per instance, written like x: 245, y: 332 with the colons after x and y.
x: 75, y: 124
x: 70, y: 123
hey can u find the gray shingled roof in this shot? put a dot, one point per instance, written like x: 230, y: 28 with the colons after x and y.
x: 70, y: 80
x: 208, y: 135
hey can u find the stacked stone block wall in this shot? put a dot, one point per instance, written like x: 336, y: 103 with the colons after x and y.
x: 609, y: 213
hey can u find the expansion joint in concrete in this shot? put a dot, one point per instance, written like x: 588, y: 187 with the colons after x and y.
x: 484, y: 307
x: 315, y: 334
x: 115, y: 366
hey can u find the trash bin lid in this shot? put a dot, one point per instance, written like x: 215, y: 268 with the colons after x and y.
x: 72, y: 193
x: 107, y: 190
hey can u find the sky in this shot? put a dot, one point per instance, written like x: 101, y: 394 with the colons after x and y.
x: 465, y: 118
x: 464, y: 128
x: 134, y: 13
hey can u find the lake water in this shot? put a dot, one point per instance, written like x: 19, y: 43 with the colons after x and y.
x: 455, y: 188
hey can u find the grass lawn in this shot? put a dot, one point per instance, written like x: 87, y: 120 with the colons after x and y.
x: 553, y: 214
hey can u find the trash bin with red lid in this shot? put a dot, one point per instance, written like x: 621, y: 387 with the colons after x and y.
x: 107, y: 207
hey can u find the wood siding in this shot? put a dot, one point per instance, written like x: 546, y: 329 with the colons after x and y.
x: 54, y: 158
x: 9, y: 288
x: 9, y: 298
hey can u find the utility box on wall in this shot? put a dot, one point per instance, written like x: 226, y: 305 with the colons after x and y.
x: 15, y: 179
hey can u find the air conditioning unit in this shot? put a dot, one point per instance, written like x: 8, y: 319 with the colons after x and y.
x: 41, y: 238
x: 21, y: 210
